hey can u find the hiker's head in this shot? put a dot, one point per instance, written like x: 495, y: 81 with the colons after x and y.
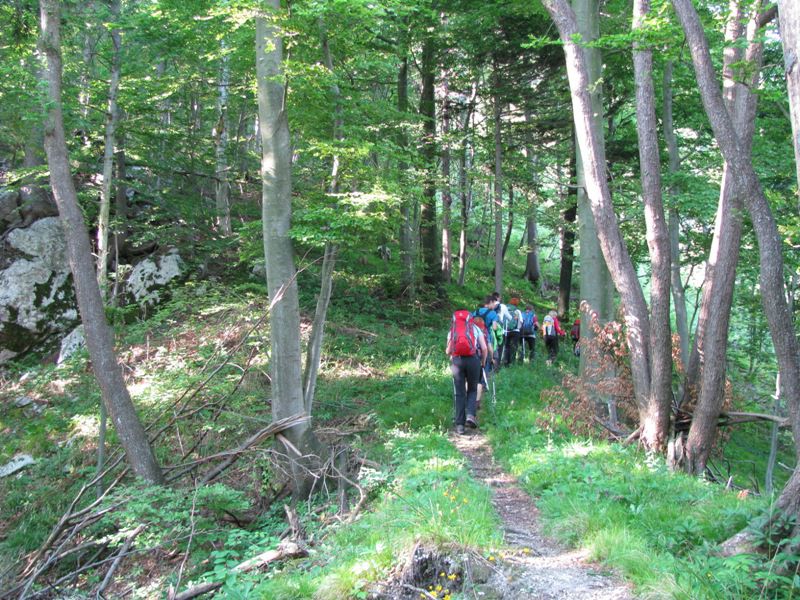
x: 553, y: 313
x: 529, y: 307
x: 488, y: 301
x: 514, y: 301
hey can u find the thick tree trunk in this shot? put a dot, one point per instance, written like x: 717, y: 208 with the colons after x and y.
x: 223, y: 186
x: 112, y: 116
x: 676, y: 281
x: 533, y: 272
x: 498, y: 184
x: 276, y: 184
x: 465, y: 186
x: 428, y: 226
x: 615, y: 252
x: 773, y: 290
x: 596, y: 285
x: 654, y: 414
x: 789, y: 11
x: 99, y: 337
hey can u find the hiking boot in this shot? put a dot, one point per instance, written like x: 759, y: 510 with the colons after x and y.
x: 472, y: 422
x: 460, y: 429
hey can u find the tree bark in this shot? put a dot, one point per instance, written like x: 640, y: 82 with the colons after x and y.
x: 276, y: 185
x: 676, y: 281
x: 447, y: 196
x: 615, y: 252
x: 655, y: 417
x: 498, y: 183
x: 596, y: 286
x: 99, y: 338
x: 533, y: 272
x: 112, y: 117
x: 789, y: 12
x: 568, y: 194
x: 771, y: 272
x: 222, y: 183
x: 428, y: 226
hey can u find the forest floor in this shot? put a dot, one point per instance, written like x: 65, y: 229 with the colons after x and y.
x: 535, y: 566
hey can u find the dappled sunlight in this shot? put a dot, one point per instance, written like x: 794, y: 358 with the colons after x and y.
x: 85, y: 426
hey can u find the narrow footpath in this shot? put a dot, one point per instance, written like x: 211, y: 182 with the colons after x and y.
x: 537, y: 568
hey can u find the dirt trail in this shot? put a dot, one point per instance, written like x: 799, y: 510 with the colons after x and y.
x: 546, y: 571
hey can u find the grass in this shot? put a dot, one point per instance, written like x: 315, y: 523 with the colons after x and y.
x: 384, y: 363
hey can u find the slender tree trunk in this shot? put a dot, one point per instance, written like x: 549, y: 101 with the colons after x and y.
x: 676, y: 282
x: 447, y: 196
x: 533, y: 271
x: 276, y: 184
x: 407, y: 229
x: 654, y: 416
x: 223, y: 186
x: 510, y: 225
x: 771, y: 272
x: 314, y: 351
x: 568, y: 241
x: 99, y: 337
x: 465, y: 185
x: 789, y: 11
x: 498, y: 183
x: 428, y: 225
x: 112, y: 116
x: 615, y: 252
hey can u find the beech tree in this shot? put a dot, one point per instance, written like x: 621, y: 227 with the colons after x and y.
x: 286, y: 357
x: 789, y: 11
x: 771, y: 263
x: 99, y: 337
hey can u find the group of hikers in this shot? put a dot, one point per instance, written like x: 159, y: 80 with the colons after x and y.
x: 495, y: 335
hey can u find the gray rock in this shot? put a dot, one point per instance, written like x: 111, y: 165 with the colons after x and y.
x: 19, y: 462
x: 71, y: 344
x: 151, y: 275
x: 37, y: 301
x: 23, y: 401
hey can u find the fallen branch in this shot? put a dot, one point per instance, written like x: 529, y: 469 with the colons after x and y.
x: 122, y: 553
x: 286, y: 549
x: 274, y: 428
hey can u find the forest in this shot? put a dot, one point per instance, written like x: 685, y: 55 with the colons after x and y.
x: 237, y: 242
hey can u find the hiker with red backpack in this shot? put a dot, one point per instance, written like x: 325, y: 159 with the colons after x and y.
x: 467, y: 349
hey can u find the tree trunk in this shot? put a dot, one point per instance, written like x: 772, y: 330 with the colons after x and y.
x: 773, y: 290
x: 707, y: 363
x: 314, y: 351
x: 510, y: 225
x: 99, y: 337
x: 654, y: 415
x: 223, y: 186
x: 407, y: 229
x: 678, y: 291
x: 789, y: 11
x: 447, y: 197
x: 428, y: 227
x: 112, y: 116
x: 596, y: 285
x: 276, y: 185
x: 568, y: 242
x: 615, y: 252
x: 498, y: 184
x: 465, y: 186
x: 533, y: 272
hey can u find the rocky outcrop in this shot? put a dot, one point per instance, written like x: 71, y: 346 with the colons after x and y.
x: 150, y: 277
x: 37, y: 301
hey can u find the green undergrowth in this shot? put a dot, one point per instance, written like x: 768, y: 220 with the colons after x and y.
x: 656, y: 527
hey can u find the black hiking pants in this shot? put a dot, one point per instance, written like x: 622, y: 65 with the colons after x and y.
x: 528, y: 347
x: 466, y: 372
x: 551, y: 343
x: 511, y: 347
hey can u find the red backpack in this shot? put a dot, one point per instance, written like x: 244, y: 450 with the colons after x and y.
x: 462, y: 337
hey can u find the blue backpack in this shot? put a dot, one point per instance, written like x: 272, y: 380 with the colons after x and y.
x: 529, y: 326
